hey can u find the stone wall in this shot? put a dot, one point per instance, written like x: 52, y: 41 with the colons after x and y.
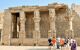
x: 1, y: 20
x: 59, y: 25
x: 1, y: 24
x: 62, y: 24
x: 76, y: 22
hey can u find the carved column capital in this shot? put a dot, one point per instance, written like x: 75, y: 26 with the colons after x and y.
x: 52, y: 15
x: 36, y: 16
x: 22, y: 16
x: 52, y: 12
x: 36, y: 13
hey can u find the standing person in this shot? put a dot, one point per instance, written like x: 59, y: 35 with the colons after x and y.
x: 62, y: 42
x: 58, y: 43
x: 50, y: 41
x: 71, y: 40
x: 73, y: 45
x: 68, y: 42
x: 54, y: 41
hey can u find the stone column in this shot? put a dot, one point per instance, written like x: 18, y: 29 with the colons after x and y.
x: 22, y: 27
x: 36, y: 19
x: 52, y: 22
x: 71, y: 27
x: 71, y: 17
x: 7, y: 30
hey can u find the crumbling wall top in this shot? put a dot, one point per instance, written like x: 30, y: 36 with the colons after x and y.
x: 43, y: 8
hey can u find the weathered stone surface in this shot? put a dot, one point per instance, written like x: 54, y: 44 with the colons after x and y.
x: 53, y: 18
x: 52, y: 22
x: 37, y: 26
x: 6, y: 35
x: 22, y: 27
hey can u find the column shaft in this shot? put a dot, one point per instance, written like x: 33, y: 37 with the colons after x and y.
x: 37, y: 26
x: 70, y: 23
x: 22, y: 27
x: 7, y: 28
x: 71, y: 27
x: 52, y: 22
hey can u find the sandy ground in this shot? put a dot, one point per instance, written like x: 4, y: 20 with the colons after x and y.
x: 31, y: 48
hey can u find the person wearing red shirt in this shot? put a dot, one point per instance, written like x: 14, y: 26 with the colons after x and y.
x: 54, y: 41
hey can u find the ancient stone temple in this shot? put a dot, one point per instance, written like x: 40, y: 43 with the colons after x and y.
x: 33, y: 25
x: 1, y: 24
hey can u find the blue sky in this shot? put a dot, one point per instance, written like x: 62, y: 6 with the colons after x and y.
x: 4, y: 4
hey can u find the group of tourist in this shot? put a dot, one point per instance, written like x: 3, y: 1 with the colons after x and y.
x: 61, y: 42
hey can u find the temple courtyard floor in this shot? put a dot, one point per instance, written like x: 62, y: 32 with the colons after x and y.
x: 33, y: 48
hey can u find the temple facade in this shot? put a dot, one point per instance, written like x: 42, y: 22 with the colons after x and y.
x: 33, y: 25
